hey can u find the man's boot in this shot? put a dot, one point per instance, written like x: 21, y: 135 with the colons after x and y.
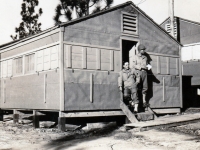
x: 136, y: 108
x: 144, y: 100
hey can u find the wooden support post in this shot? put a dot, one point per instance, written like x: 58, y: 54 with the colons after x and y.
x: 36, y: 122
x: 158, y: 65
x: 168, y: 65
x: 177, y: 66
x: 151, y: 111
x: 61, y: 124
x: 61, y: 68
x: 1, y: 115
x: 111, y: 60
x: 181, y: 81
x: 127, y: 112
x: 84, y: 60
x: 98, y: 59
x: 15, y: 116
x: 91, y: 88
x: 163, y: 89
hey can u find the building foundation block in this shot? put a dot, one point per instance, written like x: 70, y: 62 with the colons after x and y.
x: 61, y: 124
x: 36, y: 121
x: 1, y: 115
x: 15, y: 116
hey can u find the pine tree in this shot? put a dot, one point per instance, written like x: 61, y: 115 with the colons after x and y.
x: 29, y: 24
x: 81, y: 7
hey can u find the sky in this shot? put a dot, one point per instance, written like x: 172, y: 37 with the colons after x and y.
x: 158, y: 10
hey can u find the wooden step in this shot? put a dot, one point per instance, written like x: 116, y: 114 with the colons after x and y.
x: 145, y: 116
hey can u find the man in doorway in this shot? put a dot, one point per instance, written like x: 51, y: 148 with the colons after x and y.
x: 141, y: 66
x: 127, y: 82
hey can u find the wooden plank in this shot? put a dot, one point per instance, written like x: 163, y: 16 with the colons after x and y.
x: 151, y: 111
x: 168, y: 65
x: 127, y: 112
x: 181, y: 81
x: 177, y: 66
x: 129, y: 28
x: 84, y: 58
x: 129, y: 14
x: 158, y: 64
x: 27, y: 41
x: 91, y: 46
x: 128, y: 20
x: 93, y: 114
x: 130, y: 32
x: 60, y: 58
x: 69, y: 56
x: 91, y: 87
x: 130, y: 17
x: 130, y: 24
x: 111, y: 60
x: 166, y: 111
x: 98, y: 59
x: 45, y: 87
x: 4, y: 91
x: 165, y: 55
x: 167, y: 121
x: 163, y: 89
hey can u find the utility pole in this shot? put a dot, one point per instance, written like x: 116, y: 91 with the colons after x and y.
x: 171, y: 11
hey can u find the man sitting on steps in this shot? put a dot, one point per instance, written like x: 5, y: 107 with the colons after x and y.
x: 127, y: 82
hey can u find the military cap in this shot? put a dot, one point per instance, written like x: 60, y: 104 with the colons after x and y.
x: 141, y: 47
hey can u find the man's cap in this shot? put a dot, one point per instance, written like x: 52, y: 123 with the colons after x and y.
x: 141, y: 47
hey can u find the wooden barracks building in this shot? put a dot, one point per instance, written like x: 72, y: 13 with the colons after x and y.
x: 187, y: 32
x: 73, y: 68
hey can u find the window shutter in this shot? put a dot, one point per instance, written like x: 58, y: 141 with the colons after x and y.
x: 168, y: 29
x: 130, y: 23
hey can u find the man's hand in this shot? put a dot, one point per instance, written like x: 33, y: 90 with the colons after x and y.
x: 120, y: 88
x: 149, y: 66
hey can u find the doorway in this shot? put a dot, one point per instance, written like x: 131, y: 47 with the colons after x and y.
x: 129, y: 50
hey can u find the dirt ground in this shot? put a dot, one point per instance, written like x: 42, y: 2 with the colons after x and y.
x: 23, y: 136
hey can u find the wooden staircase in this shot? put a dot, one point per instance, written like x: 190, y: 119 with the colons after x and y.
x: 142, y: 116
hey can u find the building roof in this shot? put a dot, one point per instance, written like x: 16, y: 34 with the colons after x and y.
x: 190, y: 21
x: 90, y: 16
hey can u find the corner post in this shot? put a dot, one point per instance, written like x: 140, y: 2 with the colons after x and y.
x: 61, y: 122
x: 180, y: 75
x: 61, y: 66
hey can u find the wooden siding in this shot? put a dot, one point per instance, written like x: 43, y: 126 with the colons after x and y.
x: 103, y: 31
x: 28, y: 92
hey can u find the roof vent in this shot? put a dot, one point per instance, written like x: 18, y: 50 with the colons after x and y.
x: 130, y: 23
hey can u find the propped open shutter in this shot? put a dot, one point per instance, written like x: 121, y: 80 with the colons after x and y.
x: 130, y: 23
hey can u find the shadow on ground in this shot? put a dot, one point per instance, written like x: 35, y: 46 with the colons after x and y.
x: 73, y: 139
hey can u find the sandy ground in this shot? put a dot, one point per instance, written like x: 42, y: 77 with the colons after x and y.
x: 105, y: 137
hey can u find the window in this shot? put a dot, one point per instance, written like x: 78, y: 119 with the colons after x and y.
x: 129, y: 23
x: 6, y: 68
x: 18, y: 66
x: 29, y: 63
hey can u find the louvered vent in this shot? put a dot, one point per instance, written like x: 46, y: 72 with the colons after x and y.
x: 168, y: 29
x: 130, y: 23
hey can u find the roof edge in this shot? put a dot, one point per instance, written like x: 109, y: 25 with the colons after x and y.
x: 96, y: 14
x: 28, y: 37
x: 148, y: 17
